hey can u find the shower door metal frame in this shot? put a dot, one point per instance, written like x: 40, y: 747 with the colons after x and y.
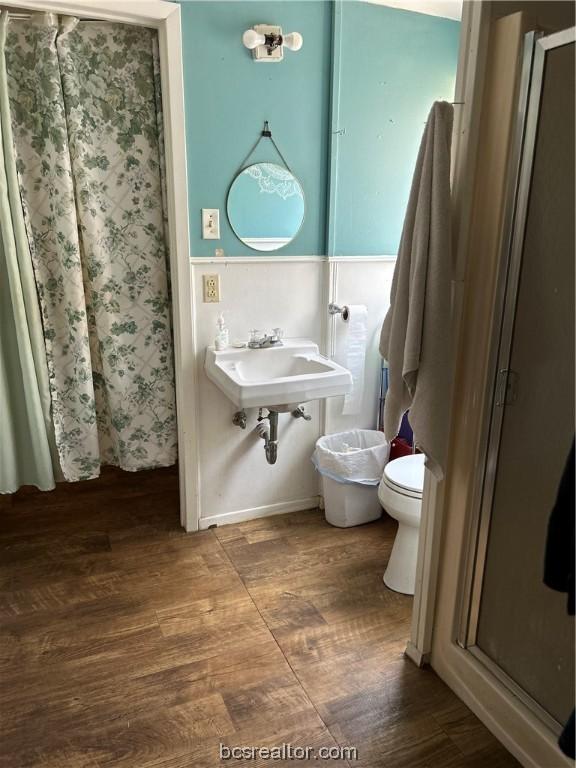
x: 536, y: 47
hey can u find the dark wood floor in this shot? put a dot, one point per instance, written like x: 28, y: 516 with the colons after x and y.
x: 126, y: 643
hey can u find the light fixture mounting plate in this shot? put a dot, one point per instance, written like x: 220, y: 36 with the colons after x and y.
x: 260, y: 53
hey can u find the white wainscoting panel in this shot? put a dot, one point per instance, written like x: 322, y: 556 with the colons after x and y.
x: 235, y: 478
x: 359, y: 281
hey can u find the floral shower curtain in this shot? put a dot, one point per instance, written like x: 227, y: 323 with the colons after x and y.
x: 27, y: 447
x: 85, y: 108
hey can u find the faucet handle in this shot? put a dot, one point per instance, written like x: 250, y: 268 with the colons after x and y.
x: 278, y: 333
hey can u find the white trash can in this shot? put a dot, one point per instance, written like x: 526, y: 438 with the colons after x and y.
x: 351, y: 464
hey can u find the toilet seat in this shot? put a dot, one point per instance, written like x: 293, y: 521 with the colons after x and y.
x: 406, y: 475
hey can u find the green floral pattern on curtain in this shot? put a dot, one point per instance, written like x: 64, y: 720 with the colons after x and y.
x: 88, y: 142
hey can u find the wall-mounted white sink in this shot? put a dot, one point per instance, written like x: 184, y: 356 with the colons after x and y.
x: 276, y: 377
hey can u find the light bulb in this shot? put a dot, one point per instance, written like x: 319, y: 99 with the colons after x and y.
x: 293, y: 41
x: 253, y: 39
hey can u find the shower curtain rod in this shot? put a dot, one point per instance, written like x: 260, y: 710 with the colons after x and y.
x: 19, y: 15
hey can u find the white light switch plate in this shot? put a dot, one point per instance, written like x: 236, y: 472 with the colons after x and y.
x: 210, y: 223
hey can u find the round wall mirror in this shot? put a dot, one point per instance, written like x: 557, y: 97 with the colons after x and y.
x: 265, y: 206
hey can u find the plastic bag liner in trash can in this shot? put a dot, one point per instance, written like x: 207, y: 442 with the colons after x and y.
x: 351, y: 464
x: 357, y: 456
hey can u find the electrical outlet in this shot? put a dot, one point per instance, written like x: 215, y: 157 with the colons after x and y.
x: 211, y: 284
x: 210, y: 223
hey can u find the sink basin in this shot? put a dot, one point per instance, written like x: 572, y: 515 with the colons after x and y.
x: 279, y: 378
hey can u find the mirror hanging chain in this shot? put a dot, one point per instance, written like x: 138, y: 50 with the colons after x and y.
x: 266, y: 133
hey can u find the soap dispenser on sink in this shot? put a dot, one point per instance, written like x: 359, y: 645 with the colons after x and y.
x: 222, y: 340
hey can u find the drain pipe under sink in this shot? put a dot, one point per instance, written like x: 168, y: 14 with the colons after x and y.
x: 269, y: 433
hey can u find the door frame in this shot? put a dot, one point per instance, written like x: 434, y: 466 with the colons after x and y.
x: 468, y: 93
x: 165, y: 18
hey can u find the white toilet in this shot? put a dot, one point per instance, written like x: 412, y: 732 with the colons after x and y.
x: 400, y: 493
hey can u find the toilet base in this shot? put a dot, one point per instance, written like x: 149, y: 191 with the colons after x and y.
x: 400, y: 574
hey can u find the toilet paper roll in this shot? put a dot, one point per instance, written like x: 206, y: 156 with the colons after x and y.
x: 357, y: 328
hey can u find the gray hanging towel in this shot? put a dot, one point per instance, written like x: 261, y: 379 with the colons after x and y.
x: 416, y: 334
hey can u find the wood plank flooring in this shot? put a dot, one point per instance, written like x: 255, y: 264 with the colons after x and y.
x: 125, y: 642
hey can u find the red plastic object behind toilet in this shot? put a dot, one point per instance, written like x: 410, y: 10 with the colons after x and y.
x: 399, y: 447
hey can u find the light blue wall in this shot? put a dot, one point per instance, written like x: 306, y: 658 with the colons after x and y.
x: 393, y: 65
x: 228, y: 97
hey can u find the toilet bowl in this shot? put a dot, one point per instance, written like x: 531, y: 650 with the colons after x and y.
x: 400, y: 493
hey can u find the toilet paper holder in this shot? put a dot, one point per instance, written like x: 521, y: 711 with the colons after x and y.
x: 334, y: 309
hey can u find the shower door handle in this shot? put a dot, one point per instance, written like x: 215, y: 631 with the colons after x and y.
x: 506, y: 387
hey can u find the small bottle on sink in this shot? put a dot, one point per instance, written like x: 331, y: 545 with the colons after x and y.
x: 222, y: 339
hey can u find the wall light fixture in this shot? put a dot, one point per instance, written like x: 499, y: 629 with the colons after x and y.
x: 267, y: 43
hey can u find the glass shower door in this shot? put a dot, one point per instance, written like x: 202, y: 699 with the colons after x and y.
x: 515, y: 624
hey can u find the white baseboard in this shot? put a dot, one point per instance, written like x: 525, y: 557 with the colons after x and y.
x: 241, y: 515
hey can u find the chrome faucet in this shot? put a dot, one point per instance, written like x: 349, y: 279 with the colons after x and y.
x: 266, y: 341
